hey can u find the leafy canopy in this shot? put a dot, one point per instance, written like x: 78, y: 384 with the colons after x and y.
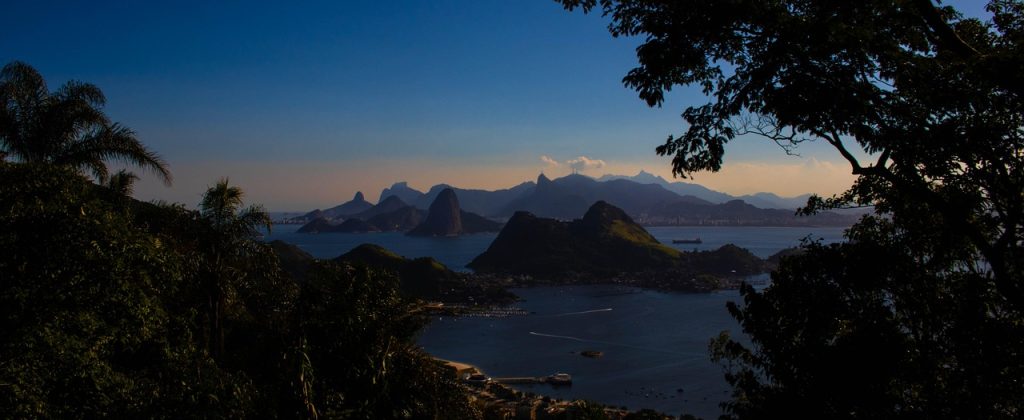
x: 66, y: 127
x: 920, y: 313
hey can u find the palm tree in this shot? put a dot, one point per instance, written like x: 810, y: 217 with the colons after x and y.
x: 66, y: 127
x: 230, y: 249
x: 121, y: 182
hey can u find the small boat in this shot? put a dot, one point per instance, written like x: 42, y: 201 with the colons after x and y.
x: 477, y: 379
x: 688, y: 241
x: 593, y: 354
x: 560, y: 379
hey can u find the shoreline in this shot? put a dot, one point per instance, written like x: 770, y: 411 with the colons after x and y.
x: 496, y: 400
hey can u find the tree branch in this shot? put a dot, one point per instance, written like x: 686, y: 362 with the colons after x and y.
x: 944, y: 33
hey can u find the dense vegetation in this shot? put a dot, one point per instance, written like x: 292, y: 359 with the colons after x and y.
x: 921, y: 313
x: 111, y: 307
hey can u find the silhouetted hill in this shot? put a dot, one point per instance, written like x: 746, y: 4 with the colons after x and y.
x: 420, y: 277
x: 645, y: 197
x: 548, y: 200
x: 322, y: 225
x: 293, y: 259
x: 763, y: 200
x: 475, y: 223
x: 313, y: 215
x: 317, y: 225
x: 678, y: 187
x: 566, y: 197
x: 403, y: 192
x: 446, y: 218
x: 482, y: 202
x: 766, y: 200
x: 386, y: 205
x: 356, y: 205
x: 738, y: 213
x: 728, y: 260
x: 354, y: 225
x: 400, y: 220
x: 606, y: 244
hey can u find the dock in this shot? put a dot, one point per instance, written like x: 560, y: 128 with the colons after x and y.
x: 521, y: 380
x: 555, y: 380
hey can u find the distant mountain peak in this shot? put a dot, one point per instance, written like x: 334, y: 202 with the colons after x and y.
x: 543, y: 179
x: 601, y: 211
x: 649, y: 178
x: 359, y: 196
x: 392, y: 200
x: 444, y: 217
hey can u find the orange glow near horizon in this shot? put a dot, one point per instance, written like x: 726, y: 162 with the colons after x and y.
x: 300, y: 186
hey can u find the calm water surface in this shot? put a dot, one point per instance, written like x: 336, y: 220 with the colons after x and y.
x: 654, y: 343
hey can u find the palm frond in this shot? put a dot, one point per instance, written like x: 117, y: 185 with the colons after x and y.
x: 221, y: 202
x: 66, y: 127
x: 254, y: 217
x: 113, y: 142
x: 122, y: 182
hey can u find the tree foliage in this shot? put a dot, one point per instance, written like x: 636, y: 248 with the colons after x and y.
x: 66, y: 127
x: 105, y: 311
x: 920, y: 313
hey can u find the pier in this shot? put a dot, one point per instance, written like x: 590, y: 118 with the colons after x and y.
x: 521, y: 380
x: 556, y: 379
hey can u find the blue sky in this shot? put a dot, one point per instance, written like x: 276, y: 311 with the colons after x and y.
x: 304, y: 103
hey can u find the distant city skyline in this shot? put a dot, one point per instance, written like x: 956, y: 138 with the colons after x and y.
x: 303, y: 105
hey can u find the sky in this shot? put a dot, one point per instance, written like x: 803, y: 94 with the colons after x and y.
x: 303, y: 104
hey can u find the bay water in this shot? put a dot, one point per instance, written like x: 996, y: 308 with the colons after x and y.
x: 654, y: 344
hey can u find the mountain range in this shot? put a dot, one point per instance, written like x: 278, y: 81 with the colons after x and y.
x: 764, y: 200
x: 444, y: 218
x: 648, y: 199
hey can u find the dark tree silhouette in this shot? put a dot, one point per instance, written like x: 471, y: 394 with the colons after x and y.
x: 921, y: 313
x: 230, y: 245
x: 66, y: 127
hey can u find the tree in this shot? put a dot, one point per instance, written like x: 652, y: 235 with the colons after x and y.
x: 87, y: 324
x: 229, y: 248
x: 359, y: 340
x: 926, y: 106
x: 66, y: 127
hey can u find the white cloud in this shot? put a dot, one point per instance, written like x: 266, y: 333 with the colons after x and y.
x: 549, y: 161
x: 583, y: 163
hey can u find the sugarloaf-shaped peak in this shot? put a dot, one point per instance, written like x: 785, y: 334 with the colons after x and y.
x: 444, y: 217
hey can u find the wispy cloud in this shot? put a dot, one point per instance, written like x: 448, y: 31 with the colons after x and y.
x: 583, y: 163
x: 579, y: 164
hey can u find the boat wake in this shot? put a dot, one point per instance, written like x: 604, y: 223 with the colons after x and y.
x: 583, y: 312
x: 557, y: 336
